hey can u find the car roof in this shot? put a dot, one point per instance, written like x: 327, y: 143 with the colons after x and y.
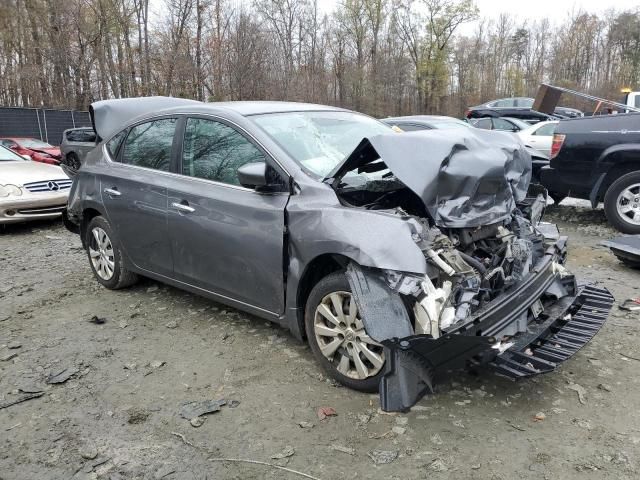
x: 249, y: 108
x: 261, y: 107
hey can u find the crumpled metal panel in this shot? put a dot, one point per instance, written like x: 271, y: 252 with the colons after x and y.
x: 383, y: 313
x: 465, y: 177
x: 110, y: 116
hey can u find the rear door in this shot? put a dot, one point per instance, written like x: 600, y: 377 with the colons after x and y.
x: 542, y: 138
x: 134, y: 193
x: 225, y: 238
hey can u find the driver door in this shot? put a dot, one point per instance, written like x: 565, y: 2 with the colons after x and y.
x: 225, y: 238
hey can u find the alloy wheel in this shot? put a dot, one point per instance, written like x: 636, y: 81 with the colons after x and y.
x: 628, y: 204
x: 101, y: 253
x: 342, y: 339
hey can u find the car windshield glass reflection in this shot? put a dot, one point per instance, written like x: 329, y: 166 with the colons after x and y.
x: 7, y: 155
x: 319, y: 140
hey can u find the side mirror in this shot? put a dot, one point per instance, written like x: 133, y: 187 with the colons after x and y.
x: 259, y: 176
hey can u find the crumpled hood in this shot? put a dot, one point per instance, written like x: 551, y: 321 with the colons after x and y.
x: 465, y: 177
x: 110, y: 116
x: 53, y: 151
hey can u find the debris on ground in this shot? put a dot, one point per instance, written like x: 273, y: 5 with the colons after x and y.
x: 197, y: 422
x: 61, y: 375
x: 286, y: 452
x: 604, y: 386
x: 20, y: 399
x: 324, y: 412
x: 539, y: 417
x: 304, y: 424
x: 156, y: 364
x: 137, y: 416
x: 183, y: 438
x: 192, y: 410
x: 171, y: 324
x: 8, y: 356
x: 381, y: 457
x: 233, y: 403
x: 14, y: 345
x: 88, y: 450
x: 340, y: 448
x: 97, y: 320
x: 438, y: 466
x: 580, y: 390
x: 630, y: 304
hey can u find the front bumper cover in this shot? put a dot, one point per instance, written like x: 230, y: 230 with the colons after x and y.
x: 570, y: 320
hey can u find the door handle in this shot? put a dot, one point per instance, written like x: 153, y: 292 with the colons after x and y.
x: 113, y: 192
x: 181, y: 207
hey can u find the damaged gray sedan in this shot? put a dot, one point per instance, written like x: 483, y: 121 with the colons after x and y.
x: 398, y: 256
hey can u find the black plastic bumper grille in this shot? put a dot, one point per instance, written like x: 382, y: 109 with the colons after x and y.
x: 561, y: 340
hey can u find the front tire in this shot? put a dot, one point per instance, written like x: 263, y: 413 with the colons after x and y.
x: 105, y: 256
x: 622, y: 203
x: 337, y: 336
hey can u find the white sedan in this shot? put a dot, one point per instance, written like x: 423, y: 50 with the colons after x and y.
x: 539, y: 136
x: 30, y: 190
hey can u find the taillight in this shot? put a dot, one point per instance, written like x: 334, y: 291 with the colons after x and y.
x: 556, y: 144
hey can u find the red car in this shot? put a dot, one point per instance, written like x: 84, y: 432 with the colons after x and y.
x: 37, y: 150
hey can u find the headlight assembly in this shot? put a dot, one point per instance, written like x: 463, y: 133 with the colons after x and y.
x: 9, y: 190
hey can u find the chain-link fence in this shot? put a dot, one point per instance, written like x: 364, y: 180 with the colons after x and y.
x: 43, y: 123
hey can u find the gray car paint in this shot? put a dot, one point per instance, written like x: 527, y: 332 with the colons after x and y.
x: 309, y: 221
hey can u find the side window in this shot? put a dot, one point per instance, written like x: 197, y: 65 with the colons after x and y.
x: 524, y: 102
x: 114, y: 144
x: 501, y: 124
x: 72, y: 136
x: 149, y: 145
x: 87, y: 136
x: 505, y: 102
x: 484, y: 123
x: 214, y: 151
x: 546, y: 130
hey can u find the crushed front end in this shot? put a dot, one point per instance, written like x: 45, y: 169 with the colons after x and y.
x: 495, y: 291
x: 498, y: 296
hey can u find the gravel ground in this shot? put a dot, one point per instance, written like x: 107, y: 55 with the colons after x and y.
x: 154, y: 348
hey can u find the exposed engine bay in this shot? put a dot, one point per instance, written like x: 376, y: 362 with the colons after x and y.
x: 467, y: 267
x: 495, y: 292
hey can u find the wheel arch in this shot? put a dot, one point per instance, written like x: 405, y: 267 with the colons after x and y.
x: 88, y: 214
x: 622, y: 162
x: 315, y: 270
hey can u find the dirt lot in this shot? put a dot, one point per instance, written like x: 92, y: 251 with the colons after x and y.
x: 118, y: 416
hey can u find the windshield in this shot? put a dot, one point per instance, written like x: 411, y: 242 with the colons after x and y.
x: 319, y: 140
x: 7, y: 155
x: 32, y: 143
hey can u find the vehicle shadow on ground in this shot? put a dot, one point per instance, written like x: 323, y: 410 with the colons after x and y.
x: 27, y: 228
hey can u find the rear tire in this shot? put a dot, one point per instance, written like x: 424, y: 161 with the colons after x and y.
x: 331, y: 315
x: 105, y: 256
x: 622, y: 203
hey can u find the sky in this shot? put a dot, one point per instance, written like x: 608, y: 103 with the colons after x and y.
x: 557, y: 10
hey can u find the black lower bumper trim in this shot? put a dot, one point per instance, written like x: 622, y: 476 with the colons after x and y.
x: 560, y: 339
